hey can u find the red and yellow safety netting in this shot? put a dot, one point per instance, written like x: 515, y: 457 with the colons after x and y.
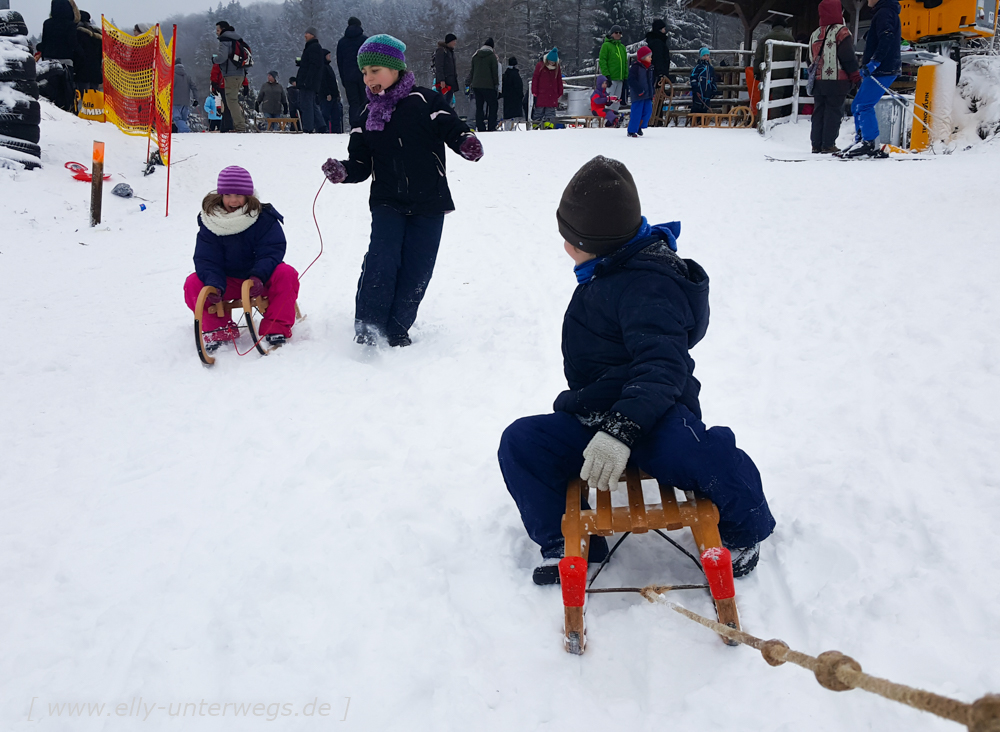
x: 138, y: 83
x: 163, y: 87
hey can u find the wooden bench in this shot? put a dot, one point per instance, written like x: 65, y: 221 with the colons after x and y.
x: 291, y: 122
x: 638, y: 517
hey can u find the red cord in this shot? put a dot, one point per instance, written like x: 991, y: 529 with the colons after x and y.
x: 315, y: 221
x: 320, y: 233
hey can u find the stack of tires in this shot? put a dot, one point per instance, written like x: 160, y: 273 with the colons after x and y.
x: 19, y: 110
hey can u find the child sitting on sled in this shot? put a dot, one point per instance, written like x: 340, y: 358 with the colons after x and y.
x: 636, y: 312
x: 601, y: 101
x: 240, y: 238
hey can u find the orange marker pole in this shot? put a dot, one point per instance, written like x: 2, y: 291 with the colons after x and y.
x: 97, y: 184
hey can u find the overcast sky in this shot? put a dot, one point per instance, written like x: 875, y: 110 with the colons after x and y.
x: 126, y: 12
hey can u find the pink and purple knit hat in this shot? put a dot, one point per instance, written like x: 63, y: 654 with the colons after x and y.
x: 235, y: 180
x: 382, y: 50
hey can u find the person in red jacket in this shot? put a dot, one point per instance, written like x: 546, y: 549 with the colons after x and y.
x: 547, y: 87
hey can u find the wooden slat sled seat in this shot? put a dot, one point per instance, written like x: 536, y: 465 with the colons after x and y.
x: 700, y: 515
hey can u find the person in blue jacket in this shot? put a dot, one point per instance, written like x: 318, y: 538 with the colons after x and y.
x: 640, y: 87
x: 880, y: 65
x: 240, y: 238
x: 212, y: 110
x: 637, y: 311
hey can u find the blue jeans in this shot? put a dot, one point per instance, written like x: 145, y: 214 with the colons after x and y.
x: 863, y: 106
x: 639, y: 116
x: 396, y: 269
x: 539, y: 455
x: 180, y: 117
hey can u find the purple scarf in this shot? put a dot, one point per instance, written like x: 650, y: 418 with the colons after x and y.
x: 381, y: 106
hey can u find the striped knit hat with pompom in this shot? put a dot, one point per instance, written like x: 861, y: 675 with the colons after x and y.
x: 382, y: 50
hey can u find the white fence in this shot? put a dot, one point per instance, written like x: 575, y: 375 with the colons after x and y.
x: 797, y: 83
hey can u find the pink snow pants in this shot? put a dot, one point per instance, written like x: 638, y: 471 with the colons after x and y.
x: 281, y: 291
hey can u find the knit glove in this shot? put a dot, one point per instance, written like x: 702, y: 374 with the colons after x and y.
x: 334, y: 171
x: 471, y: 148
x: 256, y: 287
x: 604, y: 461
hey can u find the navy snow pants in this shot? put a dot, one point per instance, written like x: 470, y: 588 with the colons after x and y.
x: 539, y: 455
x: 396, y: 270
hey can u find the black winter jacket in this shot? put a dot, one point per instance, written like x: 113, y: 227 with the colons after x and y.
x: 626, y: 337
x: 406, y: 159
x: 347, y: 55
x: 883, y: 38
x: 657, y: 43
x: 310, y: 74
x: 59, y: 37
x: 513, y: 93
x: 88, y: 66
x: 445, y: 68
x: 328, y: 86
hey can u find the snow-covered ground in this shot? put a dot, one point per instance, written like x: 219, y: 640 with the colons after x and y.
x: 314, y: 526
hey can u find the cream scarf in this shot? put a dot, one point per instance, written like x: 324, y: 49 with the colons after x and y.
x: 223, y: 223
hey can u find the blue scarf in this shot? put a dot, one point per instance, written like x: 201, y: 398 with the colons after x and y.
x: 665, y: 232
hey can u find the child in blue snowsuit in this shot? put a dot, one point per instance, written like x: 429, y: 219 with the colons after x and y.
x: 640, y: 86
x: 635, y: 314
x: 399, y: 143
x: 880, y: 65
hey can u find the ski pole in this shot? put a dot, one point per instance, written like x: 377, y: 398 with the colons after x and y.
x: 905, y: 102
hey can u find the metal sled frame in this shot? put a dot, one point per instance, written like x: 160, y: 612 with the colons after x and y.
x: 638, y: 517
x: 224, y: 310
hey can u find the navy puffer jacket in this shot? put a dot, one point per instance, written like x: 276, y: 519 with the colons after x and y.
x: 626, y: 337
x: 253, y: 252
x: 883, y: 39
x: 640, y: 82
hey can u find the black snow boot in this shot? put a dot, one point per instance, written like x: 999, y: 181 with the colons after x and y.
x: 400, y: 340
x: 547, y: 573
x: 275, y: 339
x: 745, y: 560
x: 863, y: 149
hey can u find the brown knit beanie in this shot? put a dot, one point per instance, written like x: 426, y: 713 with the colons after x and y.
x: 600, y: 210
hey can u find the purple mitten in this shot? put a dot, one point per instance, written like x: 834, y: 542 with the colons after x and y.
x: 256, y: 287
x: 334, y: 171
x: 214, y: 298
x: 471, y: 148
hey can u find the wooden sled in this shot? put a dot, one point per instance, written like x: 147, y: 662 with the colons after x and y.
x: 638, y: 517
x: 224, y: 310
x: 736, y: 118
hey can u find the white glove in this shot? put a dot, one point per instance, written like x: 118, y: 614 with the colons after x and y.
x: 604, y: 461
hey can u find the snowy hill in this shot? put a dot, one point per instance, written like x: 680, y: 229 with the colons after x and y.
x: 316, y: 526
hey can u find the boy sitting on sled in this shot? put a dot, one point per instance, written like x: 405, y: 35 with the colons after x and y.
x: 635, y: 314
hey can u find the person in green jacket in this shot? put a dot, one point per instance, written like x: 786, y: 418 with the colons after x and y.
x: 779, y: 32
x: 613, y: 63
x: 485, y: 82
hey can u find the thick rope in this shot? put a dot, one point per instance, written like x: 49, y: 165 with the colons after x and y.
x: 837, y: 672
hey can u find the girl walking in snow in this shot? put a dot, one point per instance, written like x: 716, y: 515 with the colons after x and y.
x: 240, y: 238
x: 399, y: 141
